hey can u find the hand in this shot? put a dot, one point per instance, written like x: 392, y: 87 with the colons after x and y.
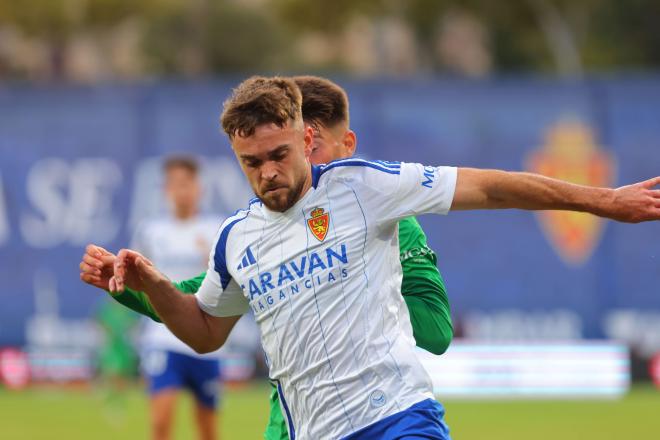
x: 636, y: 203
x: 131, y: 269
x: 97, y: 266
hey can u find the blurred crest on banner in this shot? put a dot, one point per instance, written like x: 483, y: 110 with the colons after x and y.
x: 570, y: 152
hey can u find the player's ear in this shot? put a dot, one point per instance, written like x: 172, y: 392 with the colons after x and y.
x: 349, y: 142
x: 309, y: 140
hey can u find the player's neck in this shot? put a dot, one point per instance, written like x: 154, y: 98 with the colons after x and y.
x: 184, y: 214
x: 305, y: 188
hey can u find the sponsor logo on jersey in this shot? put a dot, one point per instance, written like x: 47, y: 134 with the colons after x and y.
x: 307, y: 272
x: 416, y: 252
x: 247, y: 260
x: 570, y: 152
x: 319, y: 223
x: 429, y: 177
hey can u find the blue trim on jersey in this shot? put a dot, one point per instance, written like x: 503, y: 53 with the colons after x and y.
x: 388, y: 163
x: 423, y: 420
x: 292, y: 431
x: 383, y: 163
x: 386, y: 167
x: 316, y: 175
x: 353, y: 160
x: 220, y: 255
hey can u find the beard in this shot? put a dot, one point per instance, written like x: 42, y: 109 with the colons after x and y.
x: 284, y: 198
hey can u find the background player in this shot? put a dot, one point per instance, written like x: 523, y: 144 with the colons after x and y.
x: 117, y: 360
x: 180, y: 244
x: 325, y: 108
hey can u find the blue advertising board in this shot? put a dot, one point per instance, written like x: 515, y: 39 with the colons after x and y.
x: 81, y: 165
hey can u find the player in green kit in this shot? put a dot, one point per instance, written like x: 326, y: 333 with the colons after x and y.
x: 325, y: 108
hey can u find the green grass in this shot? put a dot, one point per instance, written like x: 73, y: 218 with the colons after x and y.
x: 84, y: 414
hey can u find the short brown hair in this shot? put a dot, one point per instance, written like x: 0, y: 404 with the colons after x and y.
x: 259, y: 100
x: 323, y: 101
x: 185, y: 162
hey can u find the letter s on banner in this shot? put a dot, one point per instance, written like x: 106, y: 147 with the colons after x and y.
x: 71, y: 202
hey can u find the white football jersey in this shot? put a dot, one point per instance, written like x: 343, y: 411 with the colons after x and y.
x: 324, y: 282
x: 180, y: 250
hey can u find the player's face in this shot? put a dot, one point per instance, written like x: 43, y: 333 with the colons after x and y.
x: 183, y: 190
x: 276, y: 162
x: 332, y: 143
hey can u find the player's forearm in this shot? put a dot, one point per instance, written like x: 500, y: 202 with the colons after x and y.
x: 494, y: 189
x: 432, y: 328
x: 139, y: 301
x: 428, y: 305
x: 136, y: 301
x: 182, y: 315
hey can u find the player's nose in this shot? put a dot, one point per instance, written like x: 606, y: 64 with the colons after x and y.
x: 268, y: 171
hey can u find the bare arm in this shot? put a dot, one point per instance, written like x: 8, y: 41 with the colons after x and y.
x: 179, y: 312
x: 494, y: 189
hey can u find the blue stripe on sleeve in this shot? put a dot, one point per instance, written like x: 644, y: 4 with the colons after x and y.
x: 220, y: 255
x: 355, y: 160
x: 386, y: 167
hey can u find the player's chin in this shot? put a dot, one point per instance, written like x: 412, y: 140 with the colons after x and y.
x: 276, y: 200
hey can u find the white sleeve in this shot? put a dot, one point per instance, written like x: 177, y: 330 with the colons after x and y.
x: 219, y: 295
x: 391, y: 190
x: 423, y: 190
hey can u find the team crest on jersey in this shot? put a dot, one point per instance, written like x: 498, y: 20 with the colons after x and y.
x: 319, y: 223
x: 571, y: 153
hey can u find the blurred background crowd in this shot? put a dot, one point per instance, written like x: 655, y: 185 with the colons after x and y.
x: 99, y: 40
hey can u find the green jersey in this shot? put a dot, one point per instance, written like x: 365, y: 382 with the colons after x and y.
x: 117, y: 356
x: 423, y: 291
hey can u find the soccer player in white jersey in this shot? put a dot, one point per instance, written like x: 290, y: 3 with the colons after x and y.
x: 315, y: 256
x: 179, y: 244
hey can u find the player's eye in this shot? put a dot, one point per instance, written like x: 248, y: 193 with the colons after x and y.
x: 279, y: 156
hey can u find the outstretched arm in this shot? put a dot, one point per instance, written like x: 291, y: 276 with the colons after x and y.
x: 180, y: 312
x: 494, y: 189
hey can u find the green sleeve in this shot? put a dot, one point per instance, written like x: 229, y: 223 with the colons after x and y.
x: 139, y: 302
x: 424, y: 290
x: 276, y: 429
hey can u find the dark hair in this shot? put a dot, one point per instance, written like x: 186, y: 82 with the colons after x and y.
x: 259, y: 100
x: 185, y: 162
x: 323, y: 102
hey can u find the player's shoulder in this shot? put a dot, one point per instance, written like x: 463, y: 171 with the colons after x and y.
x: 227, y: 231
x: 229, y: 224
x: 355, y: 168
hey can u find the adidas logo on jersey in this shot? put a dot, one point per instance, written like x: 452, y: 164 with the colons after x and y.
x: 247, y: 260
